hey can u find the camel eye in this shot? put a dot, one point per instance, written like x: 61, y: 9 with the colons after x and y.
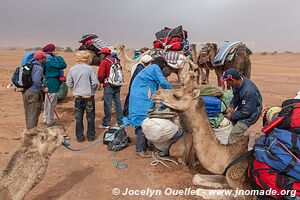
x: 178, y: 95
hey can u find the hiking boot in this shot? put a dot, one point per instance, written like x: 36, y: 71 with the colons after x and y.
x: 91, y: 139
x: 143, y: 154
x: 118, y: 125
x: 162, y: 153
x: 81, y: 139
x: 54, y: 123
x: 103, y: 126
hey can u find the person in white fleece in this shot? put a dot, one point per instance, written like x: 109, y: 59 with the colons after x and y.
x: 83, y: 82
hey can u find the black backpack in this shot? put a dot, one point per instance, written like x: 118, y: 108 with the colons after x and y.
x: 116, y: 139
x: 22, y: 76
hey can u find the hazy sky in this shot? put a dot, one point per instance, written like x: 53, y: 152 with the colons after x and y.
x: 266, y: 25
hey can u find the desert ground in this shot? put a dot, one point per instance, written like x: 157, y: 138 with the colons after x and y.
x: 91, y: 174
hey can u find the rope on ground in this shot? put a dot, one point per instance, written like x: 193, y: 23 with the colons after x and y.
x: 118, y: 164
x: 160, y: 160
x: 67, y: 144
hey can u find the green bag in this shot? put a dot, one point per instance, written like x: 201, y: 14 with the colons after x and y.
x: 63, y: 92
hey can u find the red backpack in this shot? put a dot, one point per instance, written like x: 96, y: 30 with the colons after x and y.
x: 291, y: 113
x: 175, y: 42
x: 263, y: 177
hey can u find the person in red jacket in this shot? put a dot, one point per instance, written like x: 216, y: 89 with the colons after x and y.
x: 110, y: 92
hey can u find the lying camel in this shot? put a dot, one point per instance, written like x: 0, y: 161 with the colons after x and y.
x: 127, y: 62
x: 28, y: 164
x: 213, y: 156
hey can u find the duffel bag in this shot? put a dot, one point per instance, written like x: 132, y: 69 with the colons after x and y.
x: 263, y: 177
x: 281, y: 150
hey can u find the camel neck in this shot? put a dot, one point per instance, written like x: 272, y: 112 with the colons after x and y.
x: 212, y: 155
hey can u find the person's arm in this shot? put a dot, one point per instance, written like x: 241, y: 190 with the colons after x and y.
x: 162, y: 81
x: 56, y: 62
x: 248, y: 106
x: 94, y: 80
x: 102, y: 71
x: 233, y: 103
x: 70, y: 81
x: 136, y: 71
x: 37, y: 76
x: 61, y: 63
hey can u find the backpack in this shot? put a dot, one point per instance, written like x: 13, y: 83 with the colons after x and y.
x: 116, y: 139
x: 280, y: 150
x: 263, y: 177
x: 27, y: 58
x: 116, y: 77
x: 291, y: 113
x: 22, y: 76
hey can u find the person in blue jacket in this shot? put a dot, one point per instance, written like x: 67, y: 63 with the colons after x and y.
x: 145, y: 61
x: 145, y: 84
x: 246, y: 105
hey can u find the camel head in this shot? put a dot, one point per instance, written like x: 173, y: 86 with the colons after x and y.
x: 210, y: 50
x: 174, y: 99
x: 44, y: 141
x: 144, y: 49
x: 181, y: 99
x: 119, y: 48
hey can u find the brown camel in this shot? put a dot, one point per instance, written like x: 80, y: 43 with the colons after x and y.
x: 28, y: 164
x: 127, y: 62
x: 213, y: 156
x: 241, y: 61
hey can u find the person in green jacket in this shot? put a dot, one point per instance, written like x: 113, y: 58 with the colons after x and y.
x: 54, y: 65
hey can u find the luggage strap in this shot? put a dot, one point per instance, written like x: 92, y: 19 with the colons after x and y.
x: 243, y: 157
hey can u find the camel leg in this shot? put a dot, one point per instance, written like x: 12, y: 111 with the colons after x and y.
x: 207, y: 76
x: 181, y: 73
x: 180, y: 76
x: 219, y: 74
x: 211, y: 181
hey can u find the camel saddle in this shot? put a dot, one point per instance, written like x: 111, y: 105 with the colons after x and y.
x: 221, y: 56
x: 174, y: 59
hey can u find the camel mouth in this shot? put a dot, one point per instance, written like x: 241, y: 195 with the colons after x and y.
x: 157, y: 99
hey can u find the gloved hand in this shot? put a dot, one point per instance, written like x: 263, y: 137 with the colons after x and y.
x: 162, y: 106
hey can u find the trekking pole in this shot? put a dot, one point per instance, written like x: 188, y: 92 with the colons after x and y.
x: 52, y: 107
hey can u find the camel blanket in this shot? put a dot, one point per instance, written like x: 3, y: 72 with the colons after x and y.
x: 174, y: 59
x: 224, y: 51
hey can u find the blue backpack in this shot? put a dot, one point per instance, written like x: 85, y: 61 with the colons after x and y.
x: 27, y: 58
x: 280, y: 150
x: 212, y: 105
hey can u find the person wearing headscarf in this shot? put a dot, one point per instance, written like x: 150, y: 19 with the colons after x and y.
x: 145, y: 61
x: 53, y: 72
x: 144, y: 85
x: 83, y: 82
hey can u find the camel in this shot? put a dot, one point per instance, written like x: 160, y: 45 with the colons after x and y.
x: 213, y: 156
x: 241, y: 61
x: 28, y: 164
x: 127, y: 63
